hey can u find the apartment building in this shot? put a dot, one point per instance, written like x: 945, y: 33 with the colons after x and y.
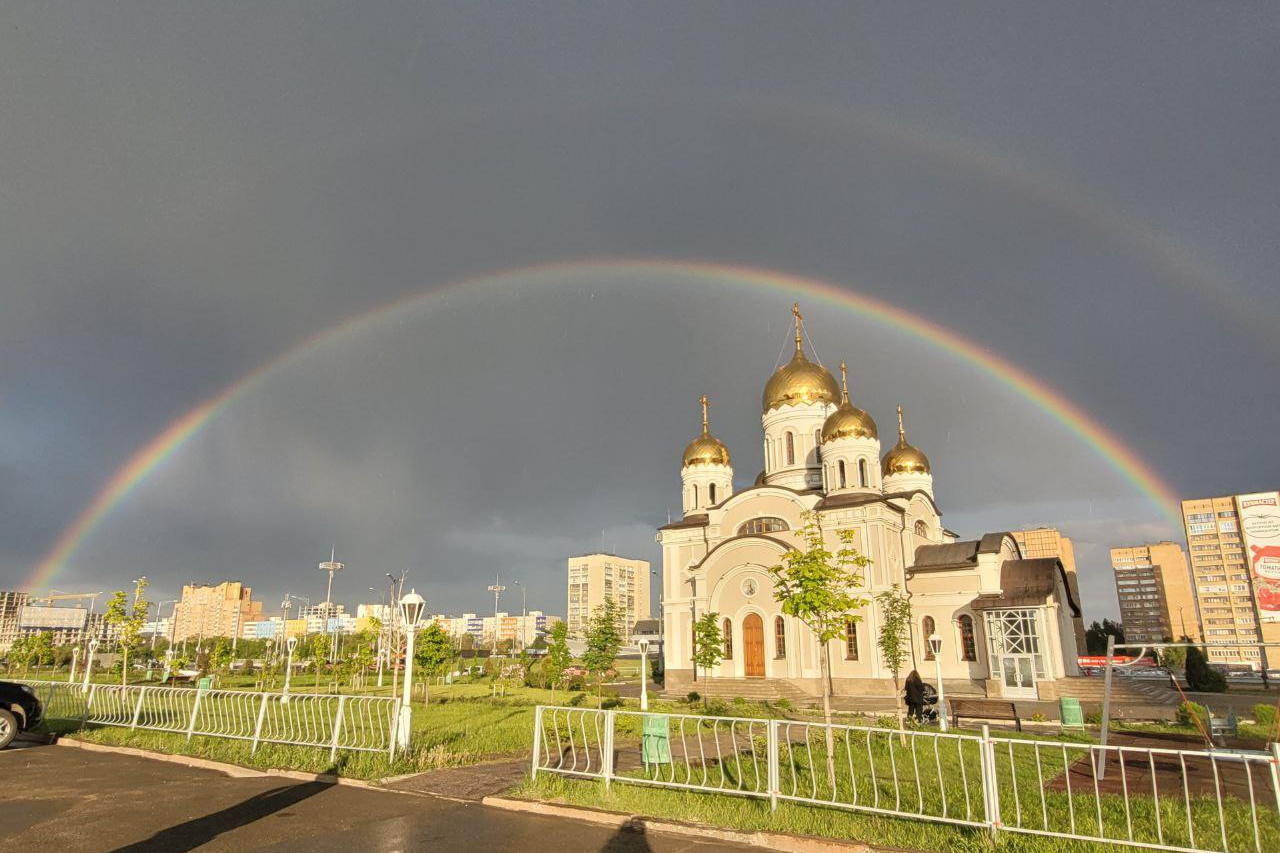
x: 1039, y: 542
x: 1153, y: 586
x: 1237, y: 590
x: 11, y: 604
x: 214, y: 611
x: 596, y: 577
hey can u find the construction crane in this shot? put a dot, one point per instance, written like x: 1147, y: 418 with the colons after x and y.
x: 55, y: 595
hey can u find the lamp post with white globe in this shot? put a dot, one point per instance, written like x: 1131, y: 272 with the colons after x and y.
x: 411, y: 607
x: 75, y: 655
x: 644, y: 675
x: 88, y: 664
x: 290, y: 644
x: 935, y: 646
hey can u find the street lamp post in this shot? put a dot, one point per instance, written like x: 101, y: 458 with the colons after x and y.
x: 88, y: 664
x: 935, y: 646
x: 524, y: 612
x: 644, y: 675
x: 290, y: 644
x: 411, y: 607
x: 75, y: 653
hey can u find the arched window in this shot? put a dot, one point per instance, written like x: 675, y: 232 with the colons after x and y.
x: 843, y: 481
x: 695, y: 494
x: 817, y: 439
x: 711, y: 494
x: 968, y: 645
x: 926, y: 631
x: 791, y: 448
x: 763, y: 524
x: 862, y: 473
x: 922, y: 529
x: 779, y: 638
x: 850, y: 639
x: 726, y: 630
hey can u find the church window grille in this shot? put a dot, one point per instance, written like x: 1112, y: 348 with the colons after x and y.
x: 726, y: 628
x: 779, y: 638
x: 791, y: 448
x: 764, y: 524
x: 922, y: 529
x: 968, y: 645
x: 850, y: 639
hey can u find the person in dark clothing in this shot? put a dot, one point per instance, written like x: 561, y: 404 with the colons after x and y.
x: 914, y: 695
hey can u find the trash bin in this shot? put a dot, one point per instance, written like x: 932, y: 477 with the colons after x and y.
x: 1069, y: 712
x: 655, y: 740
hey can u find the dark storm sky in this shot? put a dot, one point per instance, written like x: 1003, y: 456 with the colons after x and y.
x: 187, y: 191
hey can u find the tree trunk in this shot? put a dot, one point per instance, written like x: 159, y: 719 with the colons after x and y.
x: 124, y: 666
x: 897, y: 703
x: 825, y: 660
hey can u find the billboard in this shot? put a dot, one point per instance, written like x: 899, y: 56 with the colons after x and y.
x: 52, y: 618
x: 1260, y: 526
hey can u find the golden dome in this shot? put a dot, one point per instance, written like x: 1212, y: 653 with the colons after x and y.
x: 799, y: 380
x: 706, y: 449
x: 903, y: 458
x: 847, y: 421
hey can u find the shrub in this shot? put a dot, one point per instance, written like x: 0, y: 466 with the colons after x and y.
x: 1190, y: 712
x: 886, y: 722
x: 1264, y: 715
x: 692, y: 697
x: 738, y: 700
x: 717, y: 708
x: 1093, y: 718
x: 1201, y: 677
x: 1037, y: 717
x: 784, y: 704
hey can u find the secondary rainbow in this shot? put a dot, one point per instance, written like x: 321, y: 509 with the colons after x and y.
x: 1054, y: 404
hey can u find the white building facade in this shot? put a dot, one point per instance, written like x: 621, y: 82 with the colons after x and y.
x: 1005, y: 621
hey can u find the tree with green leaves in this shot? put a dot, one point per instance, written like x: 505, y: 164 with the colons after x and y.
x: 432, y: 652
x: 19, y: 653
x: 221, y: 655
x: 708, y: 642
x: 1201, y: 677
x: 558, y: 656
x: 1095, y: 638
x: 895, y: 636
x: 604, y: 640
x: 126, y: 620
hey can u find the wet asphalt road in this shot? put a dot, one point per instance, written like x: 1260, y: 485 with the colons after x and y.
x: 61, y: 800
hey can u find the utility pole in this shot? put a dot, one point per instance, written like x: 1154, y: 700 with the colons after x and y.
x: 496, y: 589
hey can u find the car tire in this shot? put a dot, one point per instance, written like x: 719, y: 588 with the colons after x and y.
x: 8, y: 728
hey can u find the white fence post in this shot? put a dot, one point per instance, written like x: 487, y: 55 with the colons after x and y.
x: 537, y: 742
x: 775, y: 783
x: 257, y: 729
x: 195, y: 710
x: 1275, y: 772
x: 990, y: 782
x: 137, y: 708
x: 607, y: 756
x: 337, y: 730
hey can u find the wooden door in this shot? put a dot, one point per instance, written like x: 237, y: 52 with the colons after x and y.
x: 753, y: 646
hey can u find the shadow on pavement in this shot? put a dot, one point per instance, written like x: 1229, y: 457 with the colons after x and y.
x: 628, y: 839
x: 201, y: 830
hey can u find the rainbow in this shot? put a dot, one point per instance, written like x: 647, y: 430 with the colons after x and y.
x: 1058, y: 407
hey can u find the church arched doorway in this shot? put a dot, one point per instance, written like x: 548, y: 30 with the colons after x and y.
x: 753, y: 646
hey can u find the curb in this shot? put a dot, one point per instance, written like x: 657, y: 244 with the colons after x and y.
x: 233, y: 770
x: 639, y: 823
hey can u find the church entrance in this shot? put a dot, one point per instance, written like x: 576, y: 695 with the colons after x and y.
x: 753, y: 646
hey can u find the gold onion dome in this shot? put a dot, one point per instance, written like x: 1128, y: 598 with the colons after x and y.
x: 847, y: 421
x: 706, y: 449
x: 903, y: 458
x: 799, y: 380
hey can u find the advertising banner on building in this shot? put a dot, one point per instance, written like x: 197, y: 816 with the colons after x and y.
x: 1260, y: 527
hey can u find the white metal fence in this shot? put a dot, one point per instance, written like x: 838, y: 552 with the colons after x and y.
x: 1169, y: 799
x: 335, y: 722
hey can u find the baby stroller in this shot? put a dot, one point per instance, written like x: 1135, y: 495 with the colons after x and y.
x: 929, y: 714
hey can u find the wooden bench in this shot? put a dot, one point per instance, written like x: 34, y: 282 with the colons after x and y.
x: 984, y: 709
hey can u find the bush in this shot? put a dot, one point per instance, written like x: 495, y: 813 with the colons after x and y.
x: 784, y: 704
x: 738, y: 700
x: 693, y: 696
x: 1201, y: 677
x: 886, y: 722
x: 1037, y: 717
x: 1190, y: 712
x: 717, y: 708
x: 1264, y: 715
x: 1093, y: 718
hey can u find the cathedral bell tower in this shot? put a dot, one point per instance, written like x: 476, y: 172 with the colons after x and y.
x: 797, y: 400
x: 706, y: 475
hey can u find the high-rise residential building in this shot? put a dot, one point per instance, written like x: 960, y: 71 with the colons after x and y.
x: 11, y: 604
x: 214, y: 611
x: 596, y: 577
x: 1238, y: 591
x: 1037, y: 542
x: 1153, y: 585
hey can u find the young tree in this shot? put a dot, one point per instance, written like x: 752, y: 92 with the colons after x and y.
x: 1200, y: 676
x: 41, y: 648
x: 221, y: 655
x: 820, y: 589
x: 895, y: 638
x: 432, y: 652
x: 558, y: 656
x: 604, y: 639
x: 708, y: 642
x: 20, y: 653
x: 126, y: 620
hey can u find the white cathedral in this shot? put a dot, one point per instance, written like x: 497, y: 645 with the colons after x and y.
x: 1005, y: 622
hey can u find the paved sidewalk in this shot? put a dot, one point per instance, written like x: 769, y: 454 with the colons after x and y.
x: 63, y: 800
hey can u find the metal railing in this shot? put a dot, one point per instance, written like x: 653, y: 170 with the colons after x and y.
x: 335, y: 722
x: 1182, y: 800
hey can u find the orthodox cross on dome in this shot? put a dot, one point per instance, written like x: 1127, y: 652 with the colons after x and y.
x: 795, y: 309
x: 902, y: 433
x: 705, y: 403
x: 844, y: 382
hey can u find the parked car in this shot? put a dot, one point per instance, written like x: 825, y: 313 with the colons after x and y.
x: 20, y: 711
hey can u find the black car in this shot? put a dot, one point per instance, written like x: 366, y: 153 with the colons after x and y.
x: 20, y: 711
